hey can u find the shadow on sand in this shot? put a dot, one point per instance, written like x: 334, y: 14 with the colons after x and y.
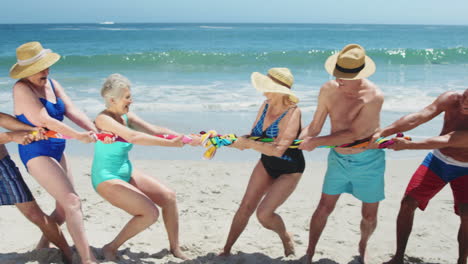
x: 127, y: 256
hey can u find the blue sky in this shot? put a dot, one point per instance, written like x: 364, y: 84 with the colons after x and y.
x: 217, y: 11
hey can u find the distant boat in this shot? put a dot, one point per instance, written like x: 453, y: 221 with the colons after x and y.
x: 107, y: 23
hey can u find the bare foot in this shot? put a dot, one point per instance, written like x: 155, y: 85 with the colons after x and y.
x: 109, y: 253
x: 288, y: 245
x: 67, y: 258
x: 90, y: 262
x: 179, y: 254
x: 395, y: 260
x: 225, y: 253
x: 308, y: 258
x: 43, y: 243
x: 362, y: 252
x: 461, y: 260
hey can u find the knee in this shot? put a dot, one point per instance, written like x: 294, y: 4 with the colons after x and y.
x: 246, y: 210
x: 170, y: 198
x: 324, y: 210
x: 408, y: 204
x: 152, y: 215
x: 71, y: 203
x: 264, y: 217
x: 463, y: 212
x: 370, y: 217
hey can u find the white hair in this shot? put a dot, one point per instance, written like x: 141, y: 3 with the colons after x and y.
x: 113, y: 87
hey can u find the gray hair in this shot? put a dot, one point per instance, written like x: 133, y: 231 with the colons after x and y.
x: 113, y: 87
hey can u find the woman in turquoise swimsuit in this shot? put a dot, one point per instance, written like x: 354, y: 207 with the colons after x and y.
x: 112, y: 173
x: 42, y: 102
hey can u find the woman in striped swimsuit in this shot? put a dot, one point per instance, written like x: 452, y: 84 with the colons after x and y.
x: 279, y: 169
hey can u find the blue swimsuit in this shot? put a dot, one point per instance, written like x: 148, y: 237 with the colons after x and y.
x: 292, y: 160
x: 52, y: 147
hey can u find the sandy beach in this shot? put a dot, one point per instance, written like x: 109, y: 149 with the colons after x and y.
x: 208, y: 194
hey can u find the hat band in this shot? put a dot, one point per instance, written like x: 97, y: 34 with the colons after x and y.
x: 346, y: 70
x: 278, y: 81
x: 34, y: 59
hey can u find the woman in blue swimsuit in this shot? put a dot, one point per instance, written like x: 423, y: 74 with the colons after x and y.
x: 279, y: 169
x: 42, y: 102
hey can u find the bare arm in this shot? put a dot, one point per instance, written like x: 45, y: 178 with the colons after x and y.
x: 9, y: 122
x: 320, y: 115
x: 413, y: 120
x: 288, y: 128
x: 141, y: 125
x: 107, y: 123
x: 454, y: 139
x: 72, y: 112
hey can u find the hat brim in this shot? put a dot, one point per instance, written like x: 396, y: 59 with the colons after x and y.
x: 368, y: 70
x: 17, y: 71
x: 264, y: 84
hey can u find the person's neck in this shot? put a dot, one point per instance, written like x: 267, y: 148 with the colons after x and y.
x: 277, y: 106
x: 33, y: 85
x: 112, y: 112
x: 354, y: 88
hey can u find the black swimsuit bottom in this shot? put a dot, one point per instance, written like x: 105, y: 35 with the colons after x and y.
x: 276, y: 167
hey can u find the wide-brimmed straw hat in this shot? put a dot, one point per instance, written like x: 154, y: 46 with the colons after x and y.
x: 31, y: 59
x: 278, y: 80
x: 350, y: 63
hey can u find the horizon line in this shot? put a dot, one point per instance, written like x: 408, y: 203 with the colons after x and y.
x: 285, y: 23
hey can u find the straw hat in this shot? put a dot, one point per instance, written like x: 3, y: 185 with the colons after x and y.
x: 278, y: 80
x: 31, y: 59
x: 350, y: 63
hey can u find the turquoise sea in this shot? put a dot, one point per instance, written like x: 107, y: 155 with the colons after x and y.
x: 193, y: 77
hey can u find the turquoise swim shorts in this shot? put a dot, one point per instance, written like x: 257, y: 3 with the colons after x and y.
x: 361, y: 175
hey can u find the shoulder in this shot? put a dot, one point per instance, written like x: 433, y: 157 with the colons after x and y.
x: 375, y: 91
x: 448, y: 99
x: 103, y: 117
x: 329, y: 86
x: 20, y: 86
x: 450, y: 96
x: 295, y: 110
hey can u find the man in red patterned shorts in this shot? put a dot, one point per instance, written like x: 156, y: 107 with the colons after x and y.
x: 447, y: 164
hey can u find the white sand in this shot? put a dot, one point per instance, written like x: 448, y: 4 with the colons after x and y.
x: 208, y: 194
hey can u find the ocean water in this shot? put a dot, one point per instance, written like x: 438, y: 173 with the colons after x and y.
x: 193, y: 77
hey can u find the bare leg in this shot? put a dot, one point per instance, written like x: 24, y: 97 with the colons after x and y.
x: 318, y: 222
x: 48, y: 226
x: 463, y: 234
x: 58, y: 215
x: 258, y: 185
x: 52, y: 177
x: 404, y: 226
x: 166, y: 199
x: 134, y: 202
x: 368, y: 225
x: 279, y: 191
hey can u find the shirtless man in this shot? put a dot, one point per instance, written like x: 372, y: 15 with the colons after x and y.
x: 13, y: 189
x: 353, y: 104
x: 448, y: 163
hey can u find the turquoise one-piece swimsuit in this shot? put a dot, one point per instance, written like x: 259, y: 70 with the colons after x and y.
x: 111, y: 161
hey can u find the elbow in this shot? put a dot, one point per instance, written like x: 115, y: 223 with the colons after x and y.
x: 44, y: 122
x: 132, y: 138
x: 278, y: 152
